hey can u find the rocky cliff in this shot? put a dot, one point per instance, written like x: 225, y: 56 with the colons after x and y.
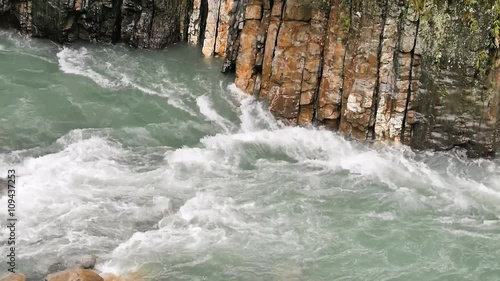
x: 141, y: 23
x: 421, y: 72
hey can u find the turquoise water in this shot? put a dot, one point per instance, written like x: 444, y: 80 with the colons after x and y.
x: 154, y: 162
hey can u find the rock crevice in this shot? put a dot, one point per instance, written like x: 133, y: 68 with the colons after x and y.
x: 397, y: 71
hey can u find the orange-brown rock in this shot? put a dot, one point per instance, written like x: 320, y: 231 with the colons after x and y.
x: 75, y: 275
x: 13, y: 277
x: 375, y: 70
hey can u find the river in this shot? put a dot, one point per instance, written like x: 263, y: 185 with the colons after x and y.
x: 155, y: 163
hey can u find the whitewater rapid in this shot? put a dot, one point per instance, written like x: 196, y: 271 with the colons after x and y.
x: 212, y: 187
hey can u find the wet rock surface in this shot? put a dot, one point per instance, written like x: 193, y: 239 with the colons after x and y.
x: 422, y: 73
x: 13, y: 277
x: 148, y: 23
x: 75, y: 275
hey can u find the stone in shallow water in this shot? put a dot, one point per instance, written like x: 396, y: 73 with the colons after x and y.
x: 74, y: 275
x: 13, y: 277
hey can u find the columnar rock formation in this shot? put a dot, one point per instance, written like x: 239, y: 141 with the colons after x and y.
x: 419, y: 72
x: 213, y: 23
x: 144, y: 23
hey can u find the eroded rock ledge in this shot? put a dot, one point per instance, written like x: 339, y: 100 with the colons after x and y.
x: 421, y: 72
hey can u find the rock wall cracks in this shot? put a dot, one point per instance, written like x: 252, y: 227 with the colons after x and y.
x: 141, y: 23
x: 215, y: 25
x: 423, y: 73
x: 420, y: 72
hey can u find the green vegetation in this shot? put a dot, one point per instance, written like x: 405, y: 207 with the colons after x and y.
x: 474, y: 24
x: 442, y: 91
x: 468, y: 16
x: 482, y: 60
x: 418, y: 5
x: 495, y: 34
x: 345, y: 21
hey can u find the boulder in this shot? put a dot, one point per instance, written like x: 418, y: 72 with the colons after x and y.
x: 74, y: 275
x: 13, y: 277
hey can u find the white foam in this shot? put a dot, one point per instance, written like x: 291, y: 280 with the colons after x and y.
x: 81, y: 62
x: 193, y: 157
x: 91, y: 194
x: 59, y: 194
x: 384, y: 216
x: 253, y: 116
x: 21, y: 45
x: 19, y: 40
x: 37, y: 57
x: 90, y: 173
x: 163, y: 205
x: 77, y: 61
x: 191, y: 230
x: 207, y: 109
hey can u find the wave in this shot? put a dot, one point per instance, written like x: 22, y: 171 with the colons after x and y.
x: 207, y: 109
x: 204, y: 198
x: 14, y: 43
x: 77, y: 61
x: 117, y: 75
x: 251, y: 193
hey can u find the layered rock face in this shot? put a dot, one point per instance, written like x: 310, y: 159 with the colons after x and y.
x: 17, y: 12
x: 141, y: 23
x: 423, y: 73
x: 4, y: 6
x: 214, y: 24
x: 419, y: 72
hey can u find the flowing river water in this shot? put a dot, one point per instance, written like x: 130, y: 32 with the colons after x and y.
x: 155, y: 163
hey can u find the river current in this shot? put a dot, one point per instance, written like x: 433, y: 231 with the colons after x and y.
x: 156, y: 164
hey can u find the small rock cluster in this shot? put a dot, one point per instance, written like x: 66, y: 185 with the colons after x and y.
x: 77, y: 274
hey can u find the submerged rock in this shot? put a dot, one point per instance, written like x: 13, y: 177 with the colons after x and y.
x: 13, y: 277
x: 75, y: 275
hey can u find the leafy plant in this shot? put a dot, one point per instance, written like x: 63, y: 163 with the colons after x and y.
x: 419, y: 5
x: 482, y: 59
